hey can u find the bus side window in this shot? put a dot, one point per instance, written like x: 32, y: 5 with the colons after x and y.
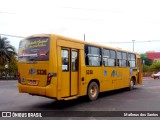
x: 113, y: 57
x: 109, y: 57
x: 124, y: 59
x: 131, y: 60
x: 65, y: 62
x: 93, y: 56
x: 119, y: 58
x: 74, y: 61
x: 86, y: 54
x: 86, y: 60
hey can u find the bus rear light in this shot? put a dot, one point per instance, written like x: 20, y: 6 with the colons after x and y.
x: 19, y: 77
x: 49, y: 77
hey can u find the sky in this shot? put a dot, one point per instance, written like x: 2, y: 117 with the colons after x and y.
x: 113, y: 23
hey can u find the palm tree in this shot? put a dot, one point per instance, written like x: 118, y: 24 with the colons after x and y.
x: 7, y: 51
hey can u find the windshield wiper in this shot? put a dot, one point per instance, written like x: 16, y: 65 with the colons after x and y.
x: 32, y: 58
x: 31, y: 62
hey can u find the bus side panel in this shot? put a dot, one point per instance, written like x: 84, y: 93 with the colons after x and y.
x: 51, y: 90
x: 82, y: 84
x: 87, y: 74
x: 140, y: 71
x: 59, y: 87
x: 123, y: 77
x: 91, y: 73
x: 108, y: 79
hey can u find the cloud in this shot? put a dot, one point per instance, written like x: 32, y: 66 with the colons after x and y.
x: 102, y: 21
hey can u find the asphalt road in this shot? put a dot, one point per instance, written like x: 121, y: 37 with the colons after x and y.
x: 143, y: 98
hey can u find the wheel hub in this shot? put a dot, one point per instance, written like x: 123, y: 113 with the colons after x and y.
x: 93, y: 91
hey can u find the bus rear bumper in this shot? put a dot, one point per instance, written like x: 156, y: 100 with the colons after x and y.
x: 31, y: 89
x: 47, y: 91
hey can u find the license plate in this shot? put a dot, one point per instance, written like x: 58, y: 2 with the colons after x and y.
x: 32, y: 82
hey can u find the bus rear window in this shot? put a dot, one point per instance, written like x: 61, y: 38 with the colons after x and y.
x: 34, y: 49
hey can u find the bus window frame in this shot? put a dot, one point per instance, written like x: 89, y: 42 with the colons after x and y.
x: 86, y: 55
x: 109, y: 57
x: 128, y: 60
x: 76, y: 64
x: 121, y: 59
x: 68, y: 59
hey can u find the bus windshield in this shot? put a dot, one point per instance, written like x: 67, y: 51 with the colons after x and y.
x: 34, y: 49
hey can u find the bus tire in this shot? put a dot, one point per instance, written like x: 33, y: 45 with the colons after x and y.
x: 93, y: 91
x: 131, y: 84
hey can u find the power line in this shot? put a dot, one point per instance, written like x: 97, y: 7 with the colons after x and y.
x: 6, y: 12
x: 90, y: 9
x: 83, y: 19
x: 12, y: 35
x: 123, y: 42
x: 84, y: 8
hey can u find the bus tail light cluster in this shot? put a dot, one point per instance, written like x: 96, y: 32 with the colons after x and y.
x: 49, y: 78
x: 19, y: 77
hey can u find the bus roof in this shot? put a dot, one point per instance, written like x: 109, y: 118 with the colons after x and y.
x: 78, y: 41
x: 89, y: 43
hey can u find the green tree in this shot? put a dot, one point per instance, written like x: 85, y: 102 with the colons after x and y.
x: 13, y: 64
x: 155, y: 67
x: 146, y: 60
x: 143, y: 56
x: 7, y: 51
x: 146, y: 68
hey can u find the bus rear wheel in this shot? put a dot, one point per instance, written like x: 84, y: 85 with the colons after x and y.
x: 93, y: 91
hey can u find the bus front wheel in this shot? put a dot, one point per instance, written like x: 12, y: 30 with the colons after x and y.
x: 93, y: 91
x: 131, y: 85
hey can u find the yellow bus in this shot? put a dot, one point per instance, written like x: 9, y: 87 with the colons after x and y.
x: 63, y: 68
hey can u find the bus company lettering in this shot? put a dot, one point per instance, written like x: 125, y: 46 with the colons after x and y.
x: 41, y: 72
x: 39, y: 43
x: 116, y: 74
x: 89, y: 72
x: 38, y: 71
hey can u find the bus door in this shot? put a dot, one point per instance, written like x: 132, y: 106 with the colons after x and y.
x: 70, y: 72
x: 140, y: 70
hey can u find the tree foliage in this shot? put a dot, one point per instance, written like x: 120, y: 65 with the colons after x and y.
x: 146, y: 68
x: 7, y: 51
x: 7, y: 56
x: 155, y: 67
x: 146, y: 60
x: 149, y: 65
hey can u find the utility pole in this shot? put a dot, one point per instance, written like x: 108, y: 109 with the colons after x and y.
x: 133, y: 44
x: 84, y: 37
